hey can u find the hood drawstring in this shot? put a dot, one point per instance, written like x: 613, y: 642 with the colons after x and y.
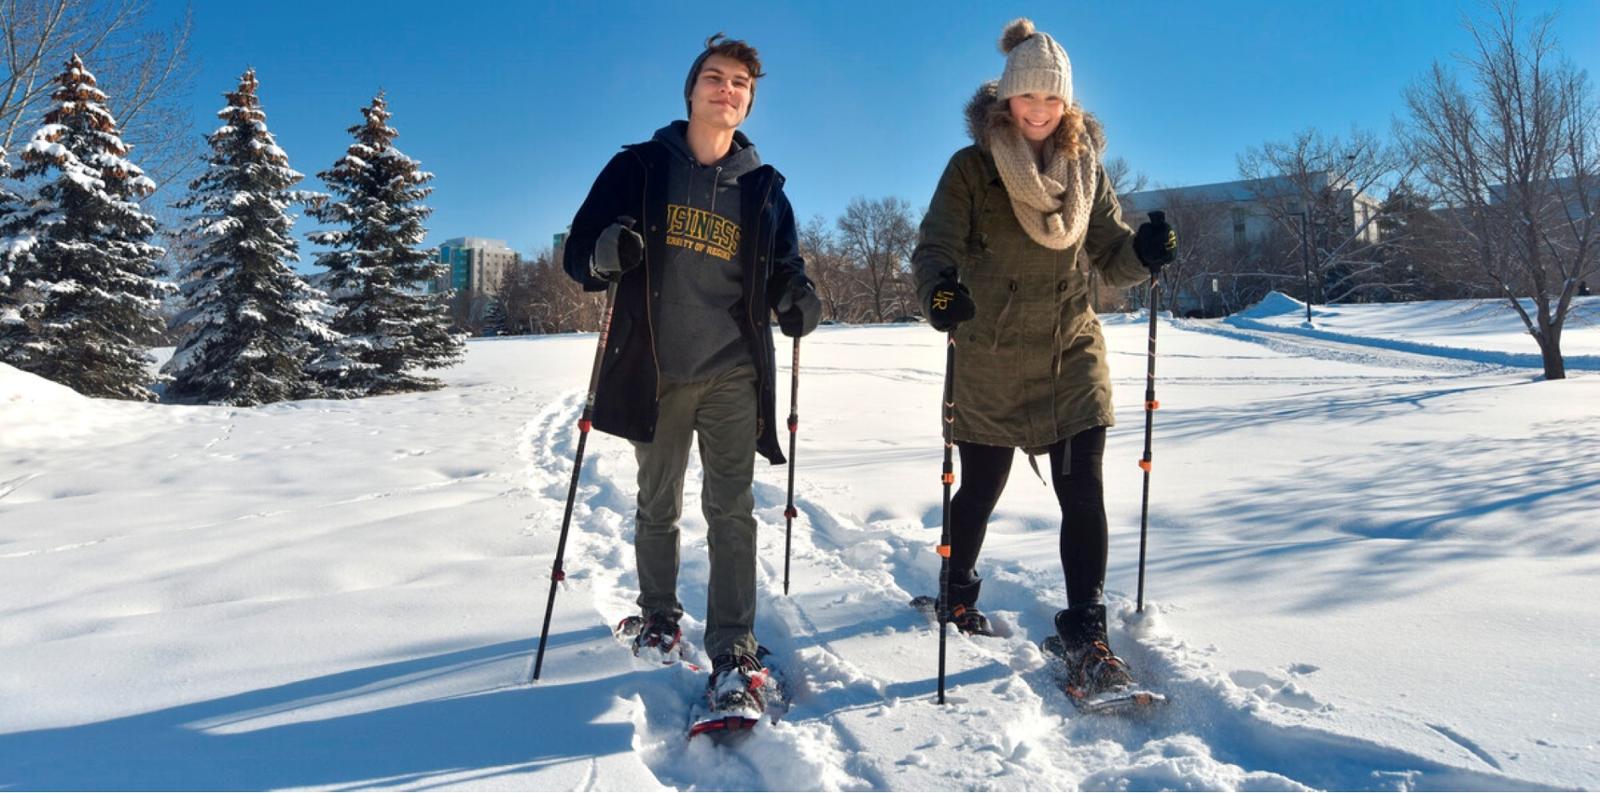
x: 1034, y: 464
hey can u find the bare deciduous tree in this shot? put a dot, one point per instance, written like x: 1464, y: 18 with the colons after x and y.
x: 1122, y: 177
x: 1206, y: 262
x: 519, y: 298
x: 1327, y: 185
x: 1225, y: 260
x: 1514, y: 158
x: 537, y: 296
x: 146, y: 72
x: 829, y: 270
x: 879, y: 237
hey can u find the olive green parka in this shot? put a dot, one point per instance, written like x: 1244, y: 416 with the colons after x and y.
x: 1030, y: 368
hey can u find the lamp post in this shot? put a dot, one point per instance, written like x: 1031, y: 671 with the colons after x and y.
x: 1305, y: 257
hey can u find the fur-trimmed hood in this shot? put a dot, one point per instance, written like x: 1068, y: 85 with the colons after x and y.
x: 979, y: 118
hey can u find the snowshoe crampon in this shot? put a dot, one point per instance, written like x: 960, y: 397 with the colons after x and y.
x: 1129, y: 698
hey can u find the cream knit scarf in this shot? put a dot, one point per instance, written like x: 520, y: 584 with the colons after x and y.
x: 1053, y: 207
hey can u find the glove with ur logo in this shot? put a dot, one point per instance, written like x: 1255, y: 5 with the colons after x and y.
x: 949, y: 304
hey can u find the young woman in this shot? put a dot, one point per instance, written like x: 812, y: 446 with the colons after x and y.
x: 1014, y: 222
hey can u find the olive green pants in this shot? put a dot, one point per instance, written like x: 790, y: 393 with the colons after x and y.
x: 722, y: 412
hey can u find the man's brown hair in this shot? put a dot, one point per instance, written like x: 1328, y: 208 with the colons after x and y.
x: 735, y: 49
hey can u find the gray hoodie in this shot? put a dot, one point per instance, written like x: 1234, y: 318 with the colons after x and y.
x: 701, y: 283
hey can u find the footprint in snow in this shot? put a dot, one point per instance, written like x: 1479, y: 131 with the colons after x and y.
x: 1285, y: 693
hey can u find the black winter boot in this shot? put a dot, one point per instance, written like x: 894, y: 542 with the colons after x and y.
x: 964, y: 613
x: 1092, y: 667
x: 1081, y: 626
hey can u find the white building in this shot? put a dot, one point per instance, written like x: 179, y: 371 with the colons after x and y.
x: 1252, y: 203
x: 477, y: 264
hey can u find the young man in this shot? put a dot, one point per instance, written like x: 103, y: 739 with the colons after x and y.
x: 700, y: 241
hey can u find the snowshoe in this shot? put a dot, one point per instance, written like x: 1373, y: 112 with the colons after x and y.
x: 655, y: 638
x: 1091, y: 675
x: 742, y: 690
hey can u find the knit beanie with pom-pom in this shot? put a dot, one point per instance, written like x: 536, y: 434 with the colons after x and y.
x: 1035, y: 63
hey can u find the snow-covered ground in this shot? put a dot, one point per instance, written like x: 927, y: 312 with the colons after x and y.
x: 1488, y: 331
x: 1370, y: 568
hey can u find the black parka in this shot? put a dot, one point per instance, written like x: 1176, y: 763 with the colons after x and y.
x: 634, y: 184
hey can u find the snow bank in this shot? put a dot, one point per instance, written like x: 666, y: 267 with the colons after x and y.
x: 1275, y: 304
x: 36, y: 413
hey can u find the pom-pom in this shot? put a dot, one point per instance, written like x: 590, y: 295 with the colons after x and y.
x: 1018, y: 31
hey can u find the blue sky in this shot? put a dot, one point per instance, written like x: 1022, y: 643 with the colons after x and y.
x: 516, y: 106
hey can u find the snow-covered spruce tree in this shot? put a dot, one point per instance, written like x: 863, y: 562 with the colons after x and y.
x: 83, y: 277
x: 388, y: 326
x: 251, y: 323
x: 9, y: 238
x: 14, y: 241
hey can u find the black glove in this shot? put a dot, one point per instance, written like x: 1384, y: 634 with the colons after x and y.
x: 799, y: 309
x: 1155, y: 243
x: 618, y: 250
x: 949, y: 304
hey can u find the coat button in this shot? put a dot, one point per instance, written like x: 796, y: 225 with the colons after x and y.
x: 1013, y: 286
x: 1061, y: 286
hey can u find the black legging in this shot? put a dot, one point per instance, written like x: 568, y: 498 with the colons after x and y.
x: 1080, y: 491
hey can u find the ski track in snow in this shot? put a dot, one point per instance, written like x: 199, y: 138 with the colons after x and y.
x: 846, y: 629
x: 10, y: 486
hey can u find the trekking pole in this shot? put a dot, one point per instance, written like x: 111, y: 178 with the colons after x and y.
x: 1152, y: 296
x: 585, y: 420
x: 948, y: 477
x: 789, y: 512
